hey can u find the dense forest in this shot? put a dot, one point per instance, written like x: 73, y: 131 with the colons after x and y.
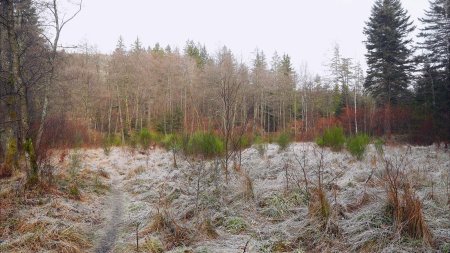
x: 59, y: 98
x: 53, y: 97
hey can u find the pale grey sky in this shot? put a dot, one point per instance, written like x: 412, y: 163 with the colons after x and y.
x: 304, y: 29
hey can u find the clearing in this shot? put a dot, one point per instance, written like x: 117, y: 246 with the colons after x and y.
x: 262, y: 208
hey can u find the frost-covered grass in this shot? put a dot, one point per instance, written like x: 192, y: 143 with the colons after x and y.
x: 56, y: 217
x: 203, y: 213
x: 278, y: 214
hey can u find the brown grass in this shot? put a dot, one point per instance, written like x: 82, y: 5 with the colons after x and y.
x: 319, y: 206
x: 38, y: 236
x: 159, y: 223
x: 173, y: 234
x: 152, y: 245
x: 208, y: 229
x: 362, y: 201
x: 414, y: 218
x: 103, y: 173
x: 248, y: 187
x: 177, y: 236
x: 135, y: 172
x: 406, y: 211
x: 404, y: 206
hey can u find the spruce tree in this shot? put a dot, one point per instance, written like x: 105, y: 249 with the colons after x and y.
x: 388, y: 55
x: 433, y: 86
x: 436, y: 35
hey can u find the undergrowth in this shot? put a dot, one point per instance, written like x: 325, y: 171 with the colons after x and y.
x: 333, y: 138
x: 235, y: 225
x: 356, y: 145
x: 284, y: 140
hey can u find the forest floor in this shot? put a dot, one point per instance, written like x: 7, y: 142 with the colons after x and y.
x: 261, y: 206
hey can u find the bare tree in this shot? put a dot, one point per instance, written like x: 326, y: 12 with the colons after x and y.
x: 57, y: 22
x: 229, y: 86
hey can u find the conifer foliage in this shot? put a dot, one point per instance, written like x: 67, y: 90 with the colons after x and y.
x: 432, y: 90
x: 388, y: 51
x: 388, y: 55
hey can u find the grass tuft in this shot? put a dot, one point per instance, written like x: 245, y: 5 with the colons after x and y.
x: 153, y: 245
x: 319, y: 206
x: 235, y: 225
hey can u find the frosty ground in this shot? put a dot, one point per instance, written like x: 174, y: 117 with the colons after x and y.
x: 261, y: 207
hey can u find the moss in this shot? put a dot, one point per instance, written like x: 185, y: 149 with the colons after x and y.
x: 10, y: 159
x: 11, y: 153
x: 33, y: 174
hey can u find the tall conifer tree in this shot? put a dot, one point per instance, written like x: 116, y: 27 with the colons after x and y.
x: 388, y: 55
x: 433, y: 86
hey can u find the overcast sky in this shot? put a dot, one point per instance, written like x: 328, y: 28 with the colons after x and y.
x: 305, y: 29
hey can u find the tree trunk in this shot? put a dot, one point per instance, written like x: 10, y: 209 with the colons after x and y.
x: 24, y: 124
x: 120, y: 116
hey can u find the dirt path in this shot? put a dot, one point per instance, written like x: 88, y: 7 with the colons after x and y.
x: 116, y: 209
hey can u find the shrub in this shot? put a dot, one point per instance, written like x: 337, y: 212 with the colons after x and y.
x: 243, y: 142
x: 204, y: 144
x: 116, y: 140
x: 106, y: 144
x: 283, y: 141
x: 75, y: 164
x: 172, y: 142
x: 333, y: 137
x: 378, y: 143
x: 235, y: 225
x: 133, y: 141
x: 109, y: 141
x: 260, y: 145
x: 357, y: 145
x: 146, y: 138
